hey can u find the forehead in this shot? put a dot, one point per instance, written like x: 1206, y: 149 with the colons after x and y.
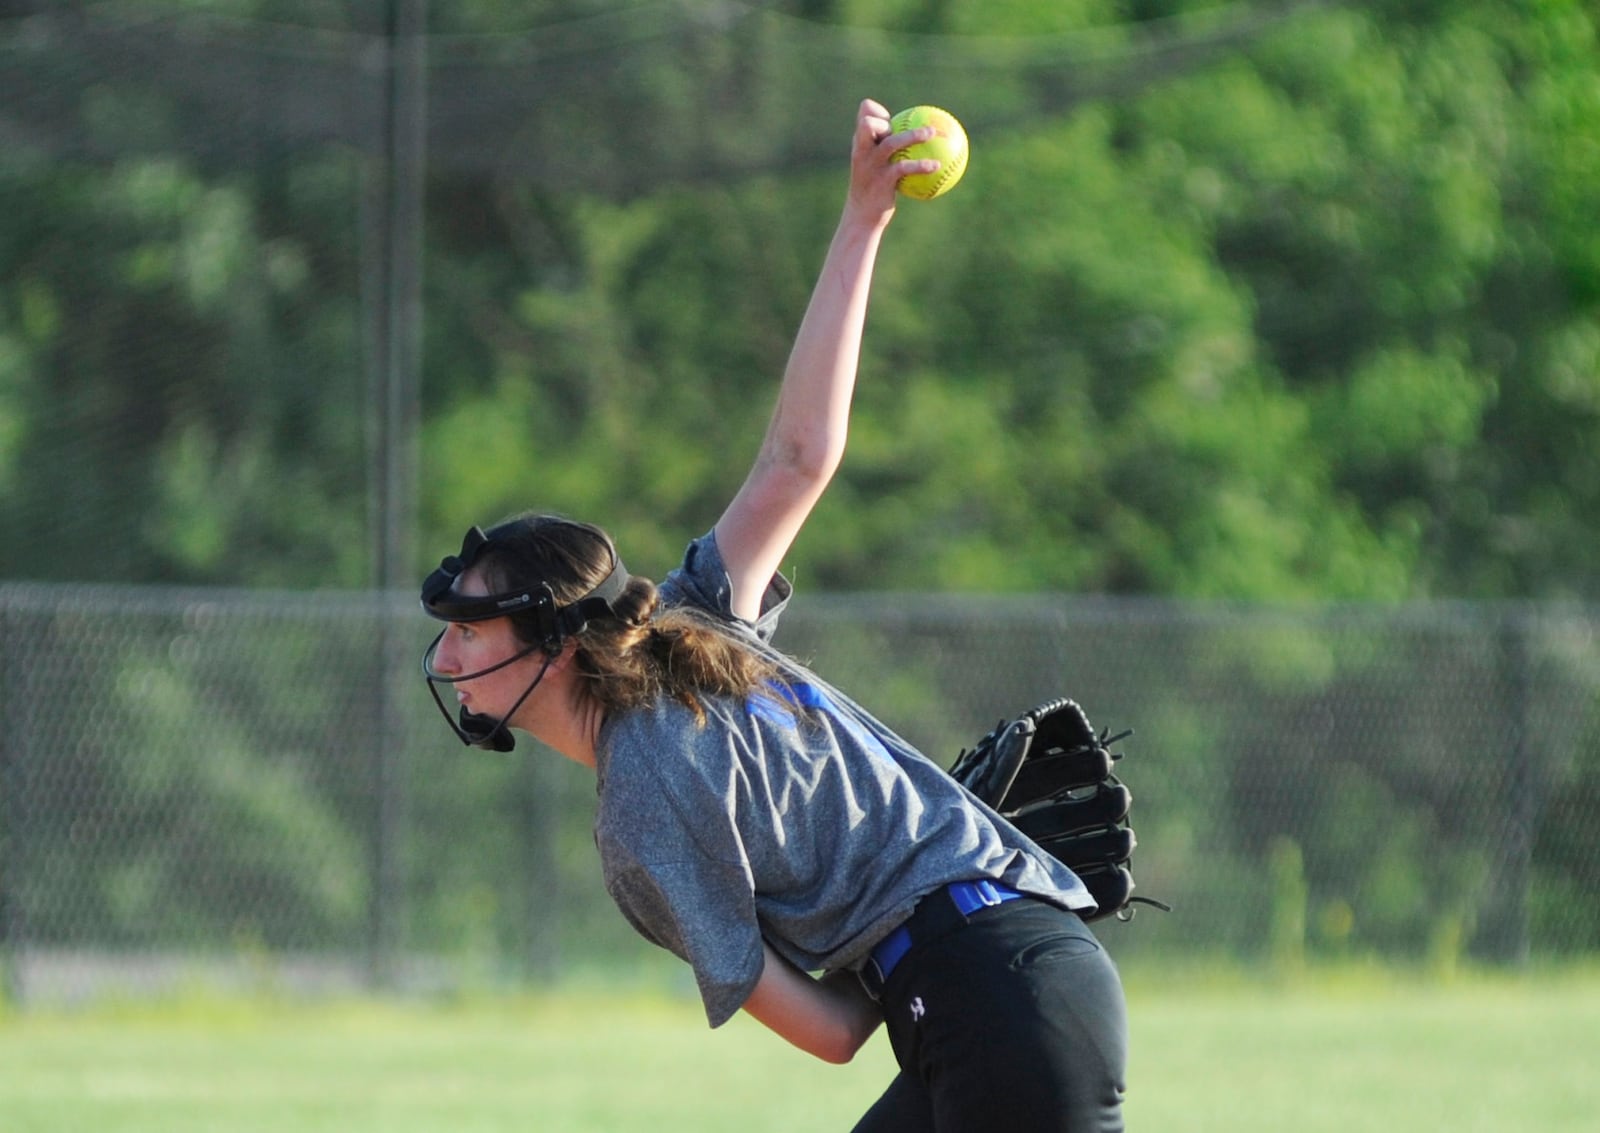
x: 471, y: 583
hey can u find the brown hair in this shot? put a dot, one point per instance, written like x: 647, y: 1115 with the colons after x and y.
x: 643, y: 653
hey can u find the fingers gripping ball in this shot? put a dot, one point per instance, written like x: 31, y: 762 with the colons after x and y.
x: 948, y: 147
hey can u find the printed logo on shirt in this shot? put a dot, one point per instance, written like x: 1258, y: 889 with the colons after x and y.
x: 806, y: 695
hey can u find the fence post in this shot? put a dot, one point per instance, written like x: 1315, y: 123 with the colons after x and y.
x: 1503, y: 929
x: 15, y: 740
x: 396, y: 345
x: 11, y: 818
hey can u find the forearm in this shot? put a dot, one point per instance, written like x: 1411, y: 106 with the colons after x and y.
x: 830, y: 1018
x: 806, y: 436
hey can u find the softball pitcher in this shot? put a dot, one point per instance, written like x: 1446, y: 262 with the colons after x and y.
x: 812, y: 868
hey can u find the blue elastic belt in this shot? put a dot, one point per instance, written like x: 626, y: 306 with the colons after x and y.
x: 967, y: 897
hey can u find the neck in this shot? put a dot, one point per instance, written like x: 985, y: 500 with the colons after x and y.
x: 575, y: 732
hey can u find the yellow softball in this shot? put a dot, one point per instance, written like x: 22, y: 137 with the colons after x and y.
x: 948, y: 147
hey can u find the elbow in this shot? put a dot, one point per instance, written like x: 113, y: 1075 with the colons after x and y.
x: 834, y: 1040
x: 808, y: 461
x: 846, y: 1040
x: 841, y: 1051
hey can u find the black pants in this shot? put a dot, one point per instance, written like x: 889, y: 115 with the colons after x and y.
x: 1013, y: 1022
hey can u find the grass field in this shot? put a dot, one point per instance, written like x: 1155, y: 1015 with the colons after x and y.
x: 1336, y: 1053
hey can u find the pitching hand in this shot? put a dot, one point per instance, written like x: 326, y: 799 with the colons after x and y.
x: 874, y: 172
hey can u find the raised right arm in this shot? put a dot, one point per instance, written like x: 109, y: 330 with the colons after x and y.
x: 805, y: 439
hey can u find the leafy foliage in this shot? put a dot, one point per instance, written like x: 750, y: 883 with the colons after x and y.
x: 1305, y: 312
x: 1314, y: 319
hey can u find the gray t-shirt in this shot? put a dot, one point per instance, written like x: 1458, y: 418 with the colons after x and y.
x: 817, y: 831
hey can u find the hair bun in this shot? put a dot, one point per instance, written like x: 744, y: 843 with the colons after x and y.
x: 638, y: 602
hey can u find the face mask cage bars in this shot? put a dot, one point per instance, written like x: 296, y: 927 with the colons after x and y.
x: 552, y: 625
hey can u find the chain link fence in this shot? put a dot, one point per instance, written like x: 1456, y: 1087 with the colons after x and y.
x: 252, y: 789
x: 211, y: 229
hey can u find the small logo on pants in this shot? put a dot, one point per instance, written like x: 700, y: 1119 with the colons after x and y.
x: 917, y: 1010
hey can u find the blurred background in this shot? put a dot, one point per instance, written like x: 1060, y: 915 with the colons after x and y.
x: 1246, y: 390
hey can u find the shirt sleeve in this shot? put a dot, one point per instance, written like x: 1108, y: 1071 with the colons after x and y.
x: 703, y: 581
x: 675, y: 866
x: 700, y: 912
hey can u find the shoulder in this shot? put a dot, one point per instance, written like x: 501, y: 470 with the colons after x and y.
x: 664, y: 749
x: 638, y: 743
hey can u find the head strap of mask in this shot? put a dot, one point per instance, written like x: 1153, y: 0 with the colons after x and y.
x: 552, y: 625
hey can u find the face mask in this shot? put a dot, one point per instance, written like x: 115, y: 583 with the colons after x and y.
x: 552, y: 626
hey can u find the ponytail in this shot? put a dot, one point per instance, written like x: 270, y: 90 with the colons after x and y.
x: 680, y: 653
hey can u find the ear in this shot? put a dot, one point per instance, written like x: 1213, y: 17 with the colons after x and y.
x: 565, y: 660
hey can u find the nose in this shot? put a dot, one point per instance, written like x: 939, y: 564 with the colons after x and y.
x: 444, y: 659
